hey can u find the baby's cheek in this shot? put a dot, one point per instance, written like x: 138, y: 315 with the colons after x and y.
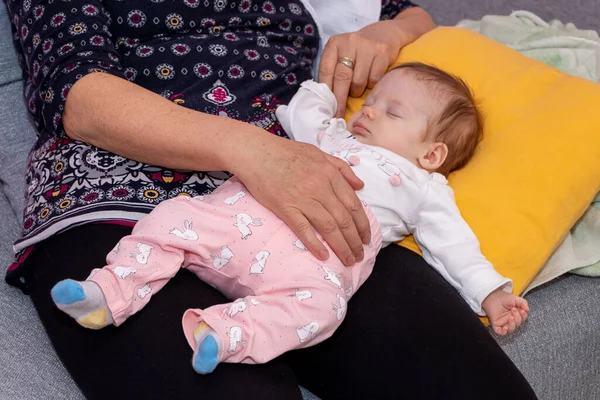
x: 351, y: 121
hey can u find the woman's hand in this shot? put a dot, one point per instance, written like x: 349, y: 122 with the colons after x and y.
x: 373, y: 49
x: 307, y: 188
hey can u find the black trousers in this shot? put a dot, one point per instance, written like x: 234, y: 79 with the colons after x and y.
x: 407, y: 335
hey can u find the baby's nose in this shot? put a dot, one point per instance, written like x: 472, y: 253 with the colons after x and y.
x: 369, y: 112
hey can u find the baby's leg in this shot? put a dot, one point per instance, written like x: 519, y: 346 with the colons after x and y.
x: 138, y: 267
x: 257, y: 329
x: 288, y: 299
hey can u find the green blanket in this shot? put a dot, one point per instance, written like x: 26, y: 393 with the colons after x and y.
x: 576, y: 52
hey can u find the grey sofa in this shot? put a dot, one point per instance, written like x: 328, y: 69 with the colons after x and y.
x: 558, y: 349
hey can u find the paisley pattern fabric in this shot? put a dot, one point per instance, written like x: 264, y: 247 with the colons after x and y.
x: 234, y: 58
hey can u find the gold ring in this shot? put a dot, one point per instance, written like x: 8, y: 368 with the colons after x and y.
x: 348, y: 62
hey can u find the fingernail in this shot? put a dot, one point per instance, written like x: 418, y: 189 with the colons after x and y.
x: 324, y: 255
x: 350, y: 261
x: 360, y: 255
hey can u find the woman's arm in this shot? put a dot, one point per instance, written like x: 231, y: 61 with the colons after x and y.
x: 126, y: 119
x: 298, y: 182
x: 373, y: 48
x: 58, y: 43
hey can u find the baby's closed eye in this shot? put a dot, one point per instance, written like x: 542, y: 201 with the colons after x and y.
x: 394, y: 113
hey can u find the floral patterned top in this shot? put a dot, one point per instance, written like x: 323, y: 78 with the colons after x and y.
x: 235, y: 58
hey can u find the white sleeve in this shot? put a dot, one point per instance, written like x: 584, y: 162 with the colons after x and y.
x: 309, y: 112
x: 450, y: 246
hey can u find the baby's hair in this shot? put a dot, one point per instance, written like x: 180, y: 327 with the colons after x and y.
x: 459, y: 124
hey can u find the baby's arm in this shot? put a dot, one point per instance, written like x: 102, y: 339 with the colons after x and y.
x: 309, y: 112
x: 450, y: 246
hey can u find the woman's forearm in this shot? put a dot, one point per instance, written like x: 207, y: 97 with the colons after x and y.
x: 413, y: 23
x: 126, y: 119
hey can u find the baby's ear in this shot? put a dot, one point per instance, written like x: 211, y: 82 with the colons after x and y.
x: 434, y: 156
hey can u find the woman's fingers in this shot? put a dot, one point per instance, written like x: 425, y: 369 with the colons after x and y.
x: 348, y: 212
x: 333, y: 209
x: 326, y: 224
x: 350, y: 200
x: 379, y: 67
x: 301, y: 226
x: 346, y: 172
x: 337, y: 75
x: 339, y: 217
x: 362, y: 71
x: 329, y: 59
x: 342, y: 80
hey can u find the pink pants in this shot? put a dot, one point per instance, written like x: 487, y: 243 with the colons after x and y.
x: 286, y: 298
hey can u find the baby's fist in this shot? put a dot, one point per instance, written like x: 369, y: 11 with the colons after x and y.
x: 505, y: 311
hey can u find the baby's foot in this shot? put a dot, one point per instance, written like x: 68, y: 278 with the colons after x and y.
x: 84, y: 301
x: 206, y: 355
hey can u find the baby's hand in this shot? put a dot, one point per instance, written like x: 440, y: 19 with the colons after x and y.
x: 505, y: 311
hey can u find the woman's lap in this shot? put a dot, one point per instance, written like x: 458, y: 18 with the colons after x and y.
x: 148, y: 356
x: 407, y: 333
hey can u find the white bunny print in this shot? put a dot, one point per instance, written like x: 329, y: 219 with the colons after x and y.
x: 349, y: 156
x: 187, y: 234
x: 349, y: 292
x: 235, y: 337
x: 259, y: 262
x: 392, y: 171
x: 340, y: 308
x: 144, y: 291
x: 299, y: 245
x: 123, y: 272
x: 307, y: 332
x: 142, y: 256
x: 332, y: 277
x: 244, y: 221
x: 254, y: 302
x: 221, y: 260
x: 302, y: 294
x: 237, y: 307
x: 233, y: 199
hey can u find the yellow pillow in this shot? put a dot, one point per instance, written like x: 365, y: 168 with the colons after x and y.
x: 538, y: 166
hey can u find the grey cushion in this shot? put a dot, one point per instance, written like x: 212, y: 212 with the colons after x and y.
x: 558, y: 350
x: 16, y: 133
x: 30, y: 367
x: 16, y: 139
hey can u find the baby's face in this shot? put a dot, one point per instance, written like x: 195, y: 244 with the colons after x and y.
x: 395, y: 115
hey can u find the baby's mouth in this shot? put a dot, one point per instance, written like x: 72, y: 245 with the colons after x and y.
x: 359, y: 129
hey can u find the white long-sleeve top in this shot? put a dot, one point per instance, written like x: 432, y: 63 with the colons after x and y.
x: 404, y: 198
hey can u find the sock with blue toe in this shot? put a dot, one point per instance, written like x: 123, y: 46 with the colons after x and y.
x: 83, y: 301
x: 206, y: 354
